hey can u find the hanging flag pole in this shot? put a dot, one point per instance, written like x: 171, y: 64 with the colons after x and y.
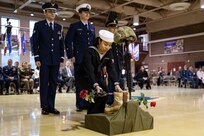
x: 5, y: 44
x: 20, y: 44
x: 9, y: 43
x: 23, y: 43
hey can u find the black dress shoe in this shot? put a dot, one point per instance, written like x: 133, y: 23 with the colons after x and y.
x: 44, y: 112
x: 79, y: 110
x: 55, y: 111
x: 148, y: 87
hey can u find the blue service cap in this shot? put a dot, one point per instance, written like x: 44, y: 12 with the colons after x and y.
x: 49, y: 5
x: 83, y: 7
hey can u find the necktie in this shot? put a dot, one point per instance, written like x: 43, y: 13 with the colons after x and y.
x: 69, y: 72
x: 87, y: 27
x: 51, y: 26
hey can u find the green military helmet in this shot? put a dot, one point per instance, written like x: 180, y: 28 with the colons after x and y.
x: 125, y: 33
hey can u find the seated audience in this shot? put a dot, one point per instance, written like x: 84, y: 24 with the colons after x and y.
x: 26, y: 77
x: 68, y: 76
x: 16, y: 64
x: 161, y: 74
x: 200, y: 74
x: 60, y: 82
x: 178, y: 76
x: 192, y: 77
x: 36, y: 77
x: 184, y: 75
x: 30, y: 67
x: 143, y: 78
x: 1, y: 81
x: 10, y: 75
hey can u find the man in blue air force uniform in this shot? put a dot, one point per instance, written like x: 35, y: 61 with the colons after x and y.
x: 79, y: 37
x: 1, y: 81
x: 48, y: 49
x: 10, y: 73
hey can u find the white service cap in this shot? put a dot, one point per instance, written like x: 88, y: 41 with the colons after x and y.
x: 106, y: 36
x: 83, y: 7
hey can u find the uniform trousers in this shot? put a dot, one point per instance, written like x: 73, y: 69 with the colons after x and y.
x: 48, y: 85
x: 80, y: 103
x: 1, y: 85
x: 8, y: 81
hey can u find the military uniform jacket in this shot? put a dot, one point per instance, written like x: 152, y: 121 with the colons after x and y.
x: 184, y: 74
x: 65, y: 74
x: 10, y: 72
x: 25, y: 72
x: 118, y: 57
x: 1, y: 73
x: 48, y: 45
x: 92, y: 67
x: 191, y: 74
x: 78, y: 39
x: 141, y: 74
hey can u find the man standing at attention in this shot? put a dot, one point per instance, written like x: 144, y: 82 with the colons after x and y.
x: 48, y: 49
x: 111, y: 25
x: 79, y: 37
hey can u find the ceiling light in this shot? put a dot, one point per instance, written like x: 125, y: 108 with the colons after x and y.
x: 135, y: 20
x: 64, y: 19
x: 15, y: 11
x: 122, y: 23
x: 91, y: 23
x: 179, y: 6
x: 65, y: 14
x: 31, y: 14
x: 202, y: 4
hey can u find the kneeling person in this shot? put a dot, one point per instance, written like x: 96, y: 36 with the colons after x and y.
x: 95, y: 59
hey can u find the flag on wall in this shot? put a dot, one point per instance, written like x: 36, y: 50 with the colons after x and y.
x: 23, y: 43
x: 9, y: 43
x: 5, y: 44
x: 19, y: 45
x: 134, y: 50
x: 137, y: 52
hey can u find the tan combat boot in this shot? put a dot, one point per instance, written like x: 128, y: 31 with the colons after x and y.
x: 118, y: 101
x: 125, y: 96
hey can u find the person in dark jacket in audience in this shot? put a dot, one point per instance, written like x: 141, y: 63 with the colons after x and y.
x: 68, y: 75
x: 1, y: 81
x: 178, y: 76
x: 143, y: 78
x: 10, y: 75
x: 192, y: 77
x: 184, y: 75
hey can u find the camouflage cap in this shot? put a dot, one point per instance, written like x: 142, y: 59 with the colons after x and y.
x: 125, y: 33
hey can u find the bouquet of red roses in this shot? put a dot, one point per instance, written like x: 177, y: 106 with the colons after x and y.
x: 88, y: 95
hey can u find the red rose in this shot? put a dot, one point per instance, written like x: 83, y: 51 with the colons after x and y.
x: 153, y: 104
x: 83, y: 94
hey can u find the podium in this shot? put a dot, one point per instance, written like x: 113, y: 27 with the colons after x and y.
x: 130, y: 118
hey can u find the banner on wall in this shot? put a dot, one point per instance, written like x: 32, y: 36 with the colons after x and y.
x: 134, y: 50
x: 175, y: 46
